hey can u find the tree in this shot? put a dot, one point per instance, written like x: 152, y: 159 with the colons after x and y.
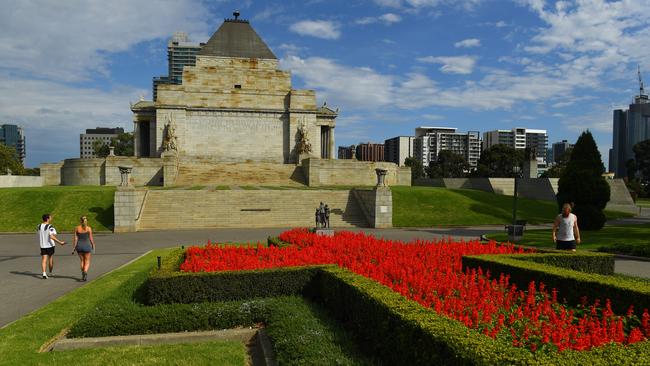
x: 556, y: 170
x: 123, y: 144
x: 417, y: 170
x: 448, y: 165
x: 582, y: 183
x: 498, y: 161
x: 9, y: 161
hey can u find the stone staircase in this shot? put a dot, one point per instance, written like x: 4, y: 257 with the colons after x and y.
x: 187, y: 209
x: 199, y: 171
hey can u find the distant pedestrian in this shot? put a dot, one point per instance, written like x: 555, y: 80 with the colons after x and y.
x: 48, y: 240
x: 566, y: 227
x: 84, y: 245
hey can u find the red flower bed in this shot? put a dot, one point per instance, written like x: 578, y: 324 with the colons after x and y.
x: 431, y: 273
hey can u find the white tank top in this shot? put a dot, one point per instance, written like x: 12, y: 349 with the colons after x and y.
x: 565, y: 229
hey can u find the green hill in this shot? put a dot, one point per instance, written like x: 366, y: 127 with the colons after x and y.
x: 21, y: 208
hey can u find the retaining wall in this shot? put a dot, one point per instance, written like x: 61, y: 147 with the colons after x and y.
x: 8, y: 181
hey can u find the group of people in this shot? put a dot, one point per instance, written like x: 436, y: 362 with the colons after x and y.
x: 83, y: 244
x: 323, y: 216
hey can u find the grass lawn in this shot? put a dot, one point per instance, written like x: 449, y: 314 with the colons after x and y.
x: 21, y: 208
x: 608, y: 236
x: 431, y: 206
x: 20, y: 341
x: 643, y: 202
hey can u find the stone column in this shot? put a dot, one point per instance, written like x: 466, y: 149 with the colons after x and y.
x: 383, y: 207
x: 136, y: 137
x: 332, y: 144
x: 125, y: 172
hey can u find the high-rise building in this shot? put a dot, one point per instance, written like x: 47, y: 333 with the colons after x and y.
x: 370, y: 152
x: 429, y: 141
x: 14, y: 136
x: 397, y: 149
x: 520, y: 138
x: 87, y: 140
x: 345, y: 152
x: 559, y: 148
x: 180, y: 52
x: 631, y: 126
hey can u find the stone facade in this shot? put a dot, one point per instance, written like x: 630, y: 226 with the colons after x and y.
x: 233, y: 108
x: 7, y: 181
x: 102, y: 171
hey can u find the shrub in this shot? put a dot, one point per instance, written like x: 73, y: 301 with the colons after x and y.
x: 274, y: 241
x: 583, y: 262
x: 640, y: 250
x: 572, y: 285
x: 583, y: 184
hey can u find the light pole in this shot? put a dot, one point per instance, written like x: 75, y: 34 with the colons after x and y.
x: 515, y: 231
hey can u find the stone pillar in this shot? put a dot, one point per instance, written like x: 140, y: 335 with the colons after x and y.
x: 332, y: 144
x: 125, y: 209
x: 170, y: 168
x: 381, y: 177
x: 383, y: 207
x: 111, y: 151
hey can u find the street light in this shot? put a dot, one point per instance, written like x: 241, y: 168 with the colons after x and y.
x: 517, y: 171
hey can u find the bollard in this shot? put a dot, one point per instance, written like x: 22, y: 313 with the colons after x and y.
x: 159, y: 262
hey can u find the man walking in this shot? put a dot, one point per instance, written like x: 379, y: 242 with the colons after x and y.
x: 48, y: 240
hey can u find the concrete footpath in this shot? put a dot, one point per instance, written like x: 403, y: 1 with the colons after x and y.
x: 22, y: 290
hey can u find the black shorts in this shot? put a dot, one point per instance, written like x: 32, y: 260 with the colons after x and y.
x: 565, y: 244
x: 47, y: 251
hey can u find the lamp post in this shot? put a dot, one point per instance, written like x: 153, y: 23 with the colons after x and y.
x: 515, y: 230
x: 516, y: 170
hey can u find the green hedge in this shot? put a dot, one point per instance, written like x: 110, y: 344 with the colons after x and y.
x: 572, y: 285
x: 639, y: 250
x: 275, y: 241
x: 168, y: 285
x: 577, y: 261
x: 402, y: 332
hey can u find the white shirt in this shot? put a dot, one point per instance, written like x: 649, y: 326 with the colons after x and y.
x: 565, y: 227
x: 44, y: 235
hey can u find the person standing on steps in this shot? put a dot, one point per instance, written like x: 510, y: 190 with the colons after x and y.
x: 84, y: 245
x: 566, y: 227
x: 48, y: 240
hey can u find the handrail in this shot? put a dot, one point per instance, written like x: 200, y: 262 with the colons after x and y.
x: 146, y: 193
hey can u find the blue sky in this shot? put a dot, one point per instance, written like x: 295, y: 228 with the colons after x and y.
x: 388, y: 65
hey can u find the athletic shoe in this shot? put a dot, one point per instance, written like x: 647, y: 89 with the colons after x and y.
x: 84, y: 276
x: 44, y: 276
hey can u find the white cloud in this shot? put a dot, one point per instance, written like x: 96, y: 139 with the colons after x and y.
x: 71, y: 41
x: 54, y: 114
x: 268, y: 13
x: 317, y: 28
x: 468, y: 43
x: 452, y: 64
x: 386, y: 19
x: 500, y: 24
x: 418, y: 4
x: 341, y: 85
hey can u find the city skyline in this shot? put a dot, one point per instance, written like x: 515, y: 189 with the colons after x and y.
x: 389, y: 65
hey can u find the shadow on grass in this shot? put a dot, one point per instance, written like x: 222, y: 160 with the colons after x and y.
x: 104, y: 215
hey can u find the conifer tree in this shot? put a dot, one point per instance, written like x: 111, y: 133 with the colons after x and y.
x: 582, y: 184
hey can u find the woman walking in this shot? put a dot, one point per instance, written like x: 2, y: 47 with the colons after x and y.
x: 84, y: 244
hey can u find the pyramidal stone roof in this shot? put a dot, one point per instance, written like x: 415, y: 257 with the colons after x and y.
x: 236, y: 38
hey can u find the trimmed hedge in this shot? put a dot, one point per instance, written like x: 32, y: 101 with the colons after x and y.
x: 639, y: 250
x: 402, y: 332
x: 167, y: 285
x: 572, y: 285
x: 274, y: 241
x: 577, y: 261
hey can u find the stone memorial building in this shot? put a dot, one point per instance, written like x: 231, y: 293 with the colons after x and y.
x: 235, y: 105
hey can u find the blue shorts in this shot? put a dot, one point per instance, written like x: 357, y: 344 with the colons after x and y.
x: 565, y: 244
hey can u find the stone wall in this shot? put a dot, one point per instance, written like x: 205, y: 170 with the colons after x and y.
x: 128, y: 203
x: 330, y: 172
x: 7, y: 181
x: 187, y: 209
x: 146, y: 171
x: 51, y: 173
x: 99, y: 172
x: 533, y: 188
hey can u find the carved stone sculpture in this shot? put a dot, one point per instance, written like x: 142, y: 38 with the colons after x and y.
x: 303, y: 146
x: 169, y: 140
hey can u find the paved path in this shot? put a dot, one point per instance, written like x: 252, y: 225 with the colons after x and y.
x: 23, y: 291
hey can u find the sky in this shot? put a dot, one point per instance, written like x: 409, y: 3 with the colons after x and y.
x: 388, y: 65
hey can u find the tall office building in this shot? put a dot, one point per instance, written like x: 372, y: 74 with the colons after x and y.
x: 429, y: 141
x: 397, y: 149
x: 345, y: 152
x: 14, y: 136
x: 559, y: 148
x: 370, y: 152
x: 520, y: 138
x: 630, y: 127
x: 87, y: 140
x: 180, y: 52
